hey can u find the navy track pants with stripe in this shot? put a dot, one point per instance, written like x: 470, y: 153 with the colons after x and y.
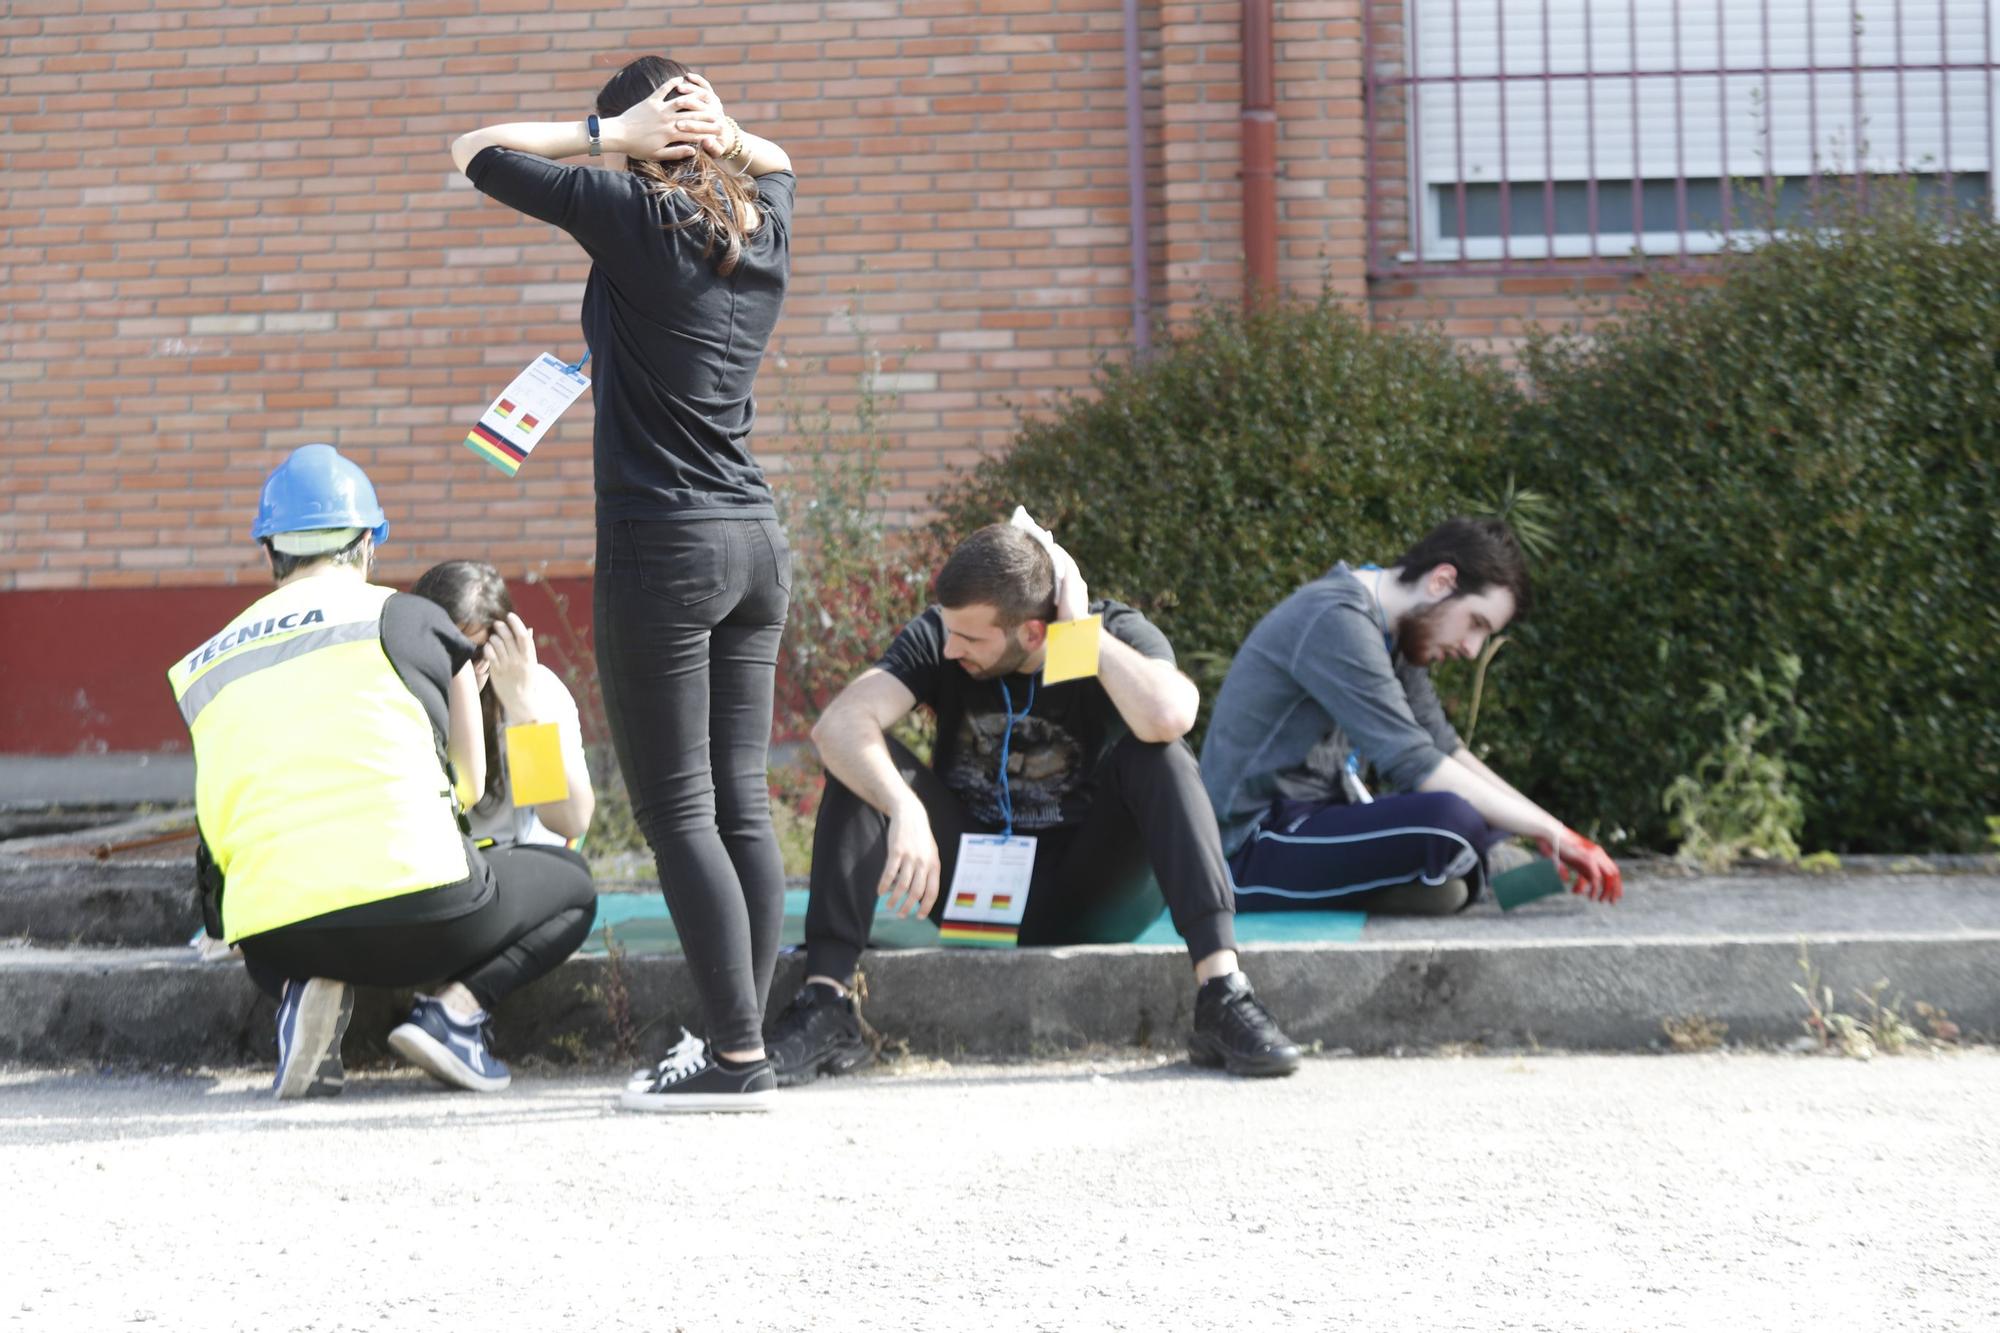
x: 1308, y: 856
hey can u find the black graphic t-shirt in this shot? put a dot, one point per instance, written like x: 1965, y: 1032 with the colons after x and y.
x: 1054, y: 747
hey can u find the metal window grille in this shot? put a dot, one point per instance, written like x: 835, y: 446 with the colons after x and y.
x: 1512, y: 134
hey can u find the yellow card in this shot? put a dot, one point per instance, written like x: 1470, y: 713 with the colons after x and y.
x: 1072, y: 650
x: 534, y: 764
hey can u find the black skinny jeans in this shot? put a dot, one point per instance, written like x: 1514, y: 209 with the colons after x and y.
x: 526, y: 909
x: 1090, y: 886
x: 688, y: 617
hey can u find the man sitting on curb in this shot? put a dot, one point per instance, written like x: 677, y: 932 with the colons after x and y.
x: 1336, y: 682
x: 1093, y: 769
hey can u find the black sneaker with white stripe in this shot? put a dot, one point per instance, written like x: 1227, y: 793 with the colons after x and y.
x: 690, y: 1079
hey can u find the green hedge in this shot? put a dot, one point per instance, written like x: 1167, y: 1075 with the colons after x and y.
x: 1800, y: 460
x: 1796, y: 457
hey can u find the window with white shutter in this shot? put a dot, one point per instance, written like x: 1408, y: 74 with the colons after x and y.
x: 1539, y: 129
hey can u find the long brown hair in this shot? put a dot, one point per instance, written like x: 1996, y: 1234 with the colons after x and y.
x: 721, y: 198
x: 473, y: 593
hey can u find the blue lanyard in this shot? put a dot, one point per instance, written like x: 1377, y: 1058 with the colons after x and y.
x: 1006, y: 746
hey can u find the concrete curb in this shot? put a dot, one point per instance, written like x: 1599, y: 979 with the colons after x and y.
x: 155, y: 1008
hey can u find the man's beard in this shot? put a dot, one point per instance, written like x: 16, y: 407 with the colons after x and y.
x: 1010, y: 661
x: 1417, y: 635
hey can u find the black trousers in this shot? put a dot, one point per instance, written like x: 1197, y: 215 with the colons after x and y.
x: 1149, y: 832
x: 688, y: 617
x: 521, y: 912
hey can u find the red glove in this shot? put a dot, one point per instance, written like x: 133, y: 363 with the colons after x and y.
x: 1587, y: 868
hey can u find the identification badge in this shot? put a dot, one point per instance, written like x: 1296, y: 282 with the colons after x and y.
x: 989, y: 891
x: 515, y: 423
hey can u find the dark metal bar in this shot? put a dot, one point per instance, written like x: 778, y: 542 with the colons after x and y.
x: 1506, y: 205
x: 1770, y: 183
x: 1902, y: 109
x: 1372, y: 250
x: 1458, y: 123
x: 1638, y: 178
x: 1854, y: 104
x: 1944, y: 87
x: 1722, y: 99
x: 1548, y: 140
x: 1590, y: 120
x: 1812, y: 102
x: 1680, y: 141
x: 1260, y: 154
x: 1413, y: 49
x: 1992, y: 149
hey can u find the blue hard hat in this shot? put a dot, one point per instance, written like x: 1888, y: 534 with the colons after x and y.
x: 317, y: 488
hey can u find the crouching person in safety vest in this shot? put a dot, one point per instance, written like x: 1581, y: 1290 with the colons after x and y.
x: 328, y: 721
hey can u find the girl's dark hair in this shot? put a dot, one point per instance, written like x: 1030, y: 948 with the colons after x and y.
x: 1482, y: 550
x: 1000, y: 566
x: 719, y: 195
x: 472, y: 593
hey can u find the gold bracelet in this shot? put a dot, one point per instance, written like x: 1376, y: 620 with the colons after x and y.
x: 739, y: 150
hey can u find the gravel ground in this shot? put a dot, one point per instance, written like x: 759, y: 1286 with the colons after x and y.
x: 1731, y: 1191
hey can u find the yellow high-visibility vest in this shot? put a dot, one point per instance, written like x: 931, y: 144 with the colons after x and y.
x: 318, y: 780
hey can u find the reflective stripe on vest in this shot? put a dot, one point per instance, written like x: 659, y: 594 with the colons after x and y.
x: 317, y: 778
x: 230, y: 669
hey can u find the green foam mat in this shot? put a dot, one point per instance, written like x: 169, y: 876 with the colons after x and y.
x: 639, y: 923
x: 1272, y: 928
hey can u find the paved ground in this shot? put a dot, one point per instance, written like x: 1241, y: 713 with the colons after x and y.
x: 1574, y: 1193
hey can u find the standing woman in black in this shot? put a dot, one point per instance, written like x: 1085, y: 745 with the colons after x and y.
x: 690, y: 248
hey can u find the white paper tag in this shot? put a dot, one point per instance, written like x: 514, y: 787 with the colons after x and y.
x: 990, y: 882
x: 515, y: 422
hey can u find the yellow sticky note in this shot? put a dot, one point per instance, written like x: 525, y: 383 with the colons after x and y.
x: 534, y: 764
x: 1072, y: 650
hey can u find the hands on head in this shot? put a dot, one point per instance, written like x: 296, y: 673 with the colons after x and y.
x: 508, y: 661
x: 681, y: 119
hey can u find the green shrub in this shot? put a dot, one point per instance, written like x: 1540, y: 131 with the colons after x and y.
x: 1244, y: 458
x: 1803, y: 458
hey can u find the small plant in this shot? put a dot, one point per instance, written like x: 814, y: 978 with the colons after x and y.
x: 1883, y: 1030
x: 1738, y: 801
x: 616, y: 996
x: 1695, y: 1032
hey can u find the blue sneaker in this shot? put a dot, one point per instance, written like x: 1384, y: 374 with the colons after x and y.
x: 312, y: 1018
x: 453, y: 1053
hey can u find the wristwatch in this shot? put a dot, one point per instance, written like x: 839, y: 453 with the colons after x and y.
x: 596, y: 140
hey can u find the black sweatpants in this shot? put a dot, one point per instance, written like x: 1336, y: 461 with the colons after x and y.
x: 520, y: 913
x: 688, y: 617
x: 1091, y: 884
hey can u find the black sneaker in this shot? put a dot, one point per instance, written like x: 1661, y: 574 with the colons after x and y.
x: 819, y: 1032
x: 1233, y: 1031
x: 690, y: 1079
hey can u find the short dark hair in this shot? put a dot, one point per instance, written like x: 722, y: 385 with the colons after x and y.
x: 1000, y: 566
x: 284, y: 566
x: 1483, y: 551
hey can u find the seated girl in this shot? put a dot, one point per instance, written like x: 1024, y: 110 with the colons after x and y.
x: 514, y: 690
